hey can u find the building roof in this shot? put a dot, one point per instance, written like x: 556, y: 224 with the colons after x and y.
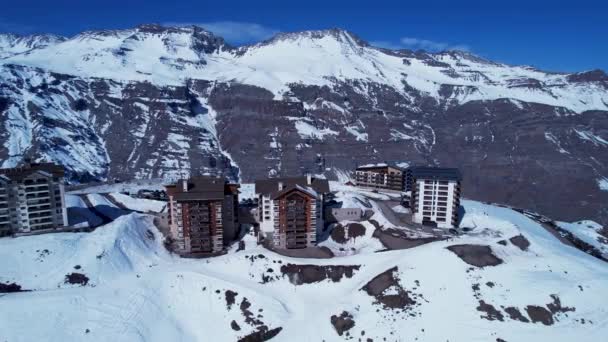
x: 377, y: 166
x: 271, y: 186
x: 436, y: 173
x: 22, y: 172
x: 303, y: 189
x: 200, y: 188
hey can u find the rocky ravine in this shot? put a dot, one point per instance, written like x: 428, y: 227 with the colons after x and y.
x: 520, y: 136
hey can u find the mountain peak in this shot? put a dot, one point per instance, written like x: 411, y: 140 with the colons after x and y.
x: 158, y: 29
x: 466, y: 55
x: 338, y: 34
x: 596, y: 75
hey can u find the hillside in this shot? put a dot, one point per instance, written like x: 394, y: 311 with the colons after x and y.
x: 119, y: 283
x: 157, y: 101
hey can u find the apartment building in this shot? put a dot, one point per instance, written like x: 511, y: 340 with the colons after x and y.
x: 32, y: 199
x: 290, y: 210
x: 436, y: 196
x: 408, y: 179
x: 380, y: 176
x: 203, y: 214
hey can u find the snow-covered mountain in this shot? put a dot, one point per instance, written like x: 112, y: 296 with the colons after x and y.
x: 173, y: 55
x: 157, y: 101
x: 506, y: 279
x: 12, y: 44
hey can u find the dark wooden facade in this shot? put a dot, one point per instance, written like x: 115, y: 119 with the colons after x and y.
x: 203, y: 214
x: 202, y: 227
x: 381, y: 177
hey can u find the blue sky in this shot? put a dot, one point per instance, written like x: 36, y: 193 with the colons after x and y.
x: 552, y: 35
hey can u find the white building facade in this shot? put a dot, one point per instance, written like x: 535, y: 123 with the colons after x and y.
x: 32, y: 199
x: 436, y: 197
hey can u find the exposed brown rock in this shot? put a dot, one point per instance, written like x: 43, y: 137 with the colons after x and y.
x: 338, y: 234
x: 384, y: 281
x: 476, y: 255
x: 308, y: 274
x: 355, y: 230
x: 76, y: 278
x: 261, y: 335
x: 342, y: 323
x: 342, y: 234
x: 521, y: 242
x: 230, y: 298
x: 516, y: 315
x: 556, y: 306
x: 249, y: 316
x: 235, y: 326
x: 394, y: 239
x: 491, y: 312
x: 539, y: 314
x: 10, y: 288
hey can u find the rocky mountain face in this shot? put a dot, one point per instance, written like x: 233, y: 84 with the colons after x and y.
x: 167, y: 102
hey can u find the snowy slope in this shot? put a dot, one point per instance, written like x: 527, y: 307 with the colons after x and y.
x: 79, y: 215
x: 590, y: 232
x: 87, y: 124
x: 12, y: 44
x: 172, y: 55
x: 147, y: 52
x: 138, y: 292
x: 139, y: 204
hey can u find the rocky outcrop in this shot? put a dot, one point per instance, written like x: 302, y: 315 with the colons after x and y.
x: 388, y: 292
x: 308, y: 274
x: 476, y: 255
x: 343, y: 322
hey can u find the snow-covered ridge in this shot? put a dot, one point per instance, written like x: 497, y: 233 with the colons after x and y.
x: 13, y: 44
x: 171, y: 55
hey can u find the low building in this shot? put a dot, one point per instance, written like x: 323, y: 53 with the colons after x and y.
x: 436, y: 196
x: 343, y: 214
x: 202, y: 214
x: 380, y: 176
x: 32, y: 199
x: 290, y: 210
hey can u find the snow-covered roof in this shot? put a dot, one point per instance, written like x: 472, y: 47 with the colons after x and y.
x: 297, y: 187
x: 373, y: 165
x: 378, y: 165
x: 271, y: 186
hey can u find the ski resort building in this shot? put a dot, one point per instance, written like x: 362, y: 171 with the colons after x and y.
x: 32, y: 199
x: 343, y: 214
x: 203, y: 214
x: 380, y: 176
x: 290, y: 210
x: 435, y: 196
